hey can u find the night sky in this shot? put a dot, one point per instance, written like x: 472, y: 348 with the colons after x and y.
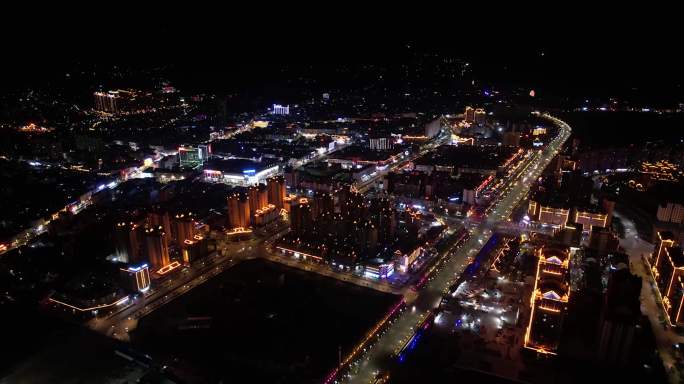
x: 599, y: 56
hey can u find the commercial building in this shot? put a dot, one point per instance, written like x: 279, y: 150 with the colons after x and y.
x: 239, y: 172
x: 191, y: 157
x: 549, y: 300
x: 566, y: 198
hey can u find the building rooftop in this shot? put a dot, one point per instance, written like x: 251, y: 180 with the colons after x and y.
x: 237, y: 166
x: 469, y: 156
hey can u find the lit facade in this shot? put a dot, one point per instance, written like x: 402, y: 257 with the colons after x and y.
x: 107, y: 101
x: 591, y: 219
x: 281, y: 109
x: 245, y: 178
x: 548, y: 215
x: 136, y: 278
x: 469, y: 114
x: 549, y: 300
x: 667, y: 269
x: 157, y: 247
x: 193, y: 157
x: 128, y: 242
x: 238, y: 211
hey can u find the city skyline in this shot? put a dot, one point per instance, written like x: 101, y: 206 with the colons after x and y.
x: 352, y: 210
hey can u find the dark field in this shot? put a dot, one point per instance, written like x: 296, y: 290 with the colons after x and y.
x: 268, y: 323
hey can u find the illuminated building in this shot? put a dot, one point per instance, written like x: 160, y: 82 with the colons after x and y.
x: 549, y: 300
x: 469, y: 114
x: 281, y: 109
x: 240, y: 172
x: 380, y: 143
x: 182, y: 227
x: 266, y: 214
x: 590, y: 219
x: 253, y: 195
x: 662, y: 170
x: 668, y: 272
x: 157, y: 247
x: 404, y: 261
x: 194, y: 249
x: 136, y: 278
x: 128, y: 242
x: 238, y: 211
x: 276, y: 191
x: 479, y: 116
x: 193, y: 157
x: 554, y: 216
x: 289, y: 201
x: 156, y: 219
x: 539, y: 131
x: 379, y: 271
x: 107, y: 101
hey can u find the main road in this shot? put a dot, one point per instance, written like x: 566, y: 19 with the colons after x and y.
x: 374, y: 361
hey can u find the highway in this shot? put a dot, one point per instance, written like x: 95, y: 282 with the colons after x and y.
x: 374, y: 361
